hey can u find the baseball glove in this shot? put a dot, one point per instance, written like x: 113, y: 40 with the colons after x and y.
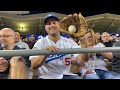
x: 78, y: 21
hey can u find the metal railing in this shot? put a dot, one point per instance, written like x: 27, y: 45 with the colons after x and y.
x: 61, y: 51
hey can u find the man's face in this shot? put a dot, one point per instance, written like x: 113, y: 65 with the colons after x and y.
x: 6, y: 38
x: 105, y: 37
x: 17, y: 37
x: 52, y: 27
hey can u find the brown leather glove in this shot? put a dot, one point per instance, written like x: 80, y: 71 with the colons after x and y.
x: 78, y: 21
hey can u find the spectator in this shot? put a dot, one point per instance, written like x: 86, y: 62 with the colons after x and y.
x: 55, y: 66
x: 12, y: 66
x: 106, y: 39
x: 116, y: 59
x: 95, y: 68
x: 19, y: 43
x: 98, y: 36
x: 31, y: 41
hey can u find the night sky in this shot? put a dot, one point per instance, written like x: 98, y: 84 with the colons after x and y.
x: 86, y: 7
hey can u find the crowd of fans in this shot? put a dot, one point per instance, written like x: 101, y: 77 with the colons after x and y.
x: 92, y: 65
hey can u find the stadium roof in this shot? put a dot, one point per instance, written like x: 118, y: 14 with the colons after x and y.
x: 33, y: 23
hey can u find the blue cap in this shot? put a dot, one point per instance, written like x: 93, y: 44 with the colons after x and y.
x: 50, y: 16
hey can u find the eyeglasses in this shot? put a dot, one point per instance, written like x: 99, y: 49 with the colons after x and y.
x: 5, y: 36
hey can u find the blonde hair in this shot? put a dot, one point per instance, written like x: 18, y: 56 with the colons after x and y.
x: 95, y: 40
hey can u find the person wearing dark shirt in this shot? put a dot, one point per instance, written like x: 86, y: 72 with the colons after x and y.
x: 14, y: 67
x: 116, y: 59
x: 31, y: 41
x: 106, y: 39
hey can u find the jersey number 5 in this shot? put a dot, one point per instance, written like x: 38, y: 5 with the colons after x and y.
x: 67, y: 61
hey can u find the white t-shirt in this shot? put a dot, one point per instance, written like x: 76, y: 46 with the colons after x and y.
x: 21, y: 44
x: 95, y: 62
x: 55, y: 66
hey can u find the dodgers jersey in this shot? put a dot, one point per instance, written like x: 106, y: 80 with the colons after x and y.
x: 57, y: 65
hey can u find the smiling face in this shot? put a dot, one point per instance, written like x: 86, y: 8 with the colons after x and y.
x: 105, y: 37
x: 7, y: 37
x: 52, y: 27
x: 89, y: 38
x: 17, y: 36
